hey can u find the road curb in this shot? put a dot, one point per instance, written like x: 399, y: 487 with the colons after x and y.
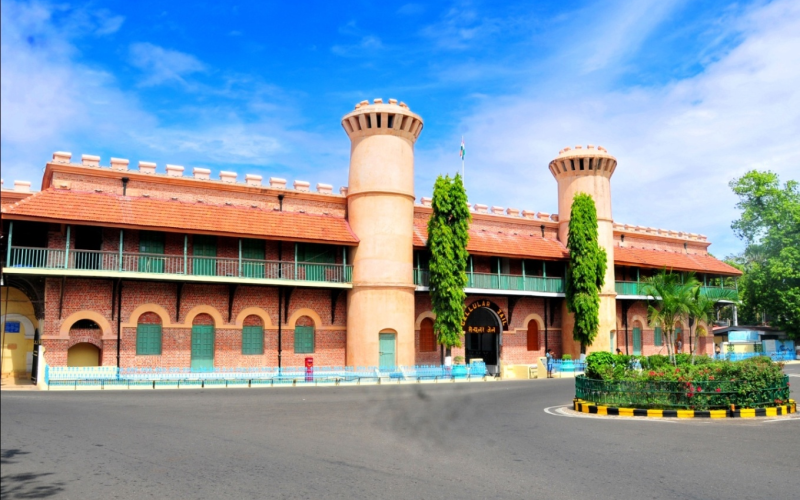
x: 777, y: 411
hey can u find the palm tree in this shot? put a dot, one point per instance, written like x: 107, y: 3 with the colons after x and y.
x: 703, y: 307
x: 669, y: 300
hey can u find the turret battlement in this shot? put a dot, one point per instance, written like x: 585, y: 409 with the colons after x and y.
x: 378, y: 118
x: 580, y: 161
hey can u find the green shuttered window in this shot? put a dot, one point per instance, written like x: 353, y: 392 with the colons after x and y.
x: 253, y: 340
x: 658, y: 341
x: 303, y: 339
x: 318, y: 254
x: 204, y: 249
x: 252, y: 255
x: 148, y: 339
x: 151, y: 242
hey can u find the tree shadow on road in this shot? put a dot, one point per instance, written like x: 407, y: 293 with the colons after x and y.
x: 26, y: 485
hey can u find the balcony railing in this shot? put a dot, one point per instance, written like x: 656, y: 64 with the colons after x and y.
x: 162, y: 264
x: 488, y: 281
x: 638, y: 288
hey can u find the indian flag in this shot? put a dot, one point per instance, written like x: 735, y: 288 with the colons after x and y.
x: 463, y: 149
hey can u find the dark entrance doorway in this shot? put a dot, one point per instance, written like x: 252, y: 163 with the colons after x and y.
x: 482, y: 337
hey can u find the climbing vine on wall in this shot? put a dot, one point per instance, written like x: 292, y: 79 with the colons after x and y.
x: 448, y: 235
x: 586, y: 270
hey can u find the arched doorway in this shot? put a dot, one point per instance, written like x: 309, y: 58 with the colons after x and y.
x: 202, y: 342
x: 83, y: 354
x: 482, y: 330
x: 18, y: 327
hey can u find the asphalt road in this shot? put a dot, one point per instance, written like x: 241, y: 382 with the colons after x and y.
x: 462, y: 441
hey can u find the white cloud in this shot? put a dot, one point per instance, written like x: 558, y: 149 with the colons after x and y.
x: 367, y: 44
x: 161, y: 65
x: 678, y: 145
x: 52, y: 102
x: 46, y: 97
x: 633, y: 22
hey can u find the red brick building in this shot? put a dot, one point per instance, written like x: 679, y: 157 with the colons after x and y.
x: 141, y: 268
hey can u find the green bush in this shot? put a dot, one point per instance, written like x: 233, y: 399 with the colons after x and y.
x: 598, y: 363
x: 566, y: 356
x: 752, y: 383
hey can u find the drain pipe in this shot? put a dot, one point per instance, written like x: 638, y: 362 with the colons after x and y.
x: 280, y: 202
x: 280, y: 326
x: 119, y: 320
x: 125, y: 185
x: 546, y: 303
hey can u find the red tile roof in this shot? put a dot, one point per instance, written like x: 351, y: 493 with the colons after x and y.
x: 102, y: 208
x: 672, y: 260
x: 501, y: 243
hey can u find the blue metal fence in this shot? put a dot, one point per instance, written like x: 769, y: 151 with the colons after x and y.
x: 252, y: 377
x: 738, y: 356
x: 568, y: 366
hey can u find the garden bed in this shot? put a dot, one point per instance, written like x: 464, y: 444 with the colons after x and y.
x: 655, y: 383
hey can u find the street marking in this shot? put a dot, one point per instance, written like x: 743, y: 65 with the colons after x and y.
x: 567, y: 411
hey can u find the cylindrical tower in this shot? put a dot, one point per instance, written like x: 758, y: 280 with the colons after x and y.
x: 589, y: 171
x: 380, y: 207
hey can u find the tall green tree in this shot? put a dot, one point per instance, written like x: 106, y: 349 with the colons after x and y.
x: 703, y: 307
x: 669, y: 301
x: 448, y: 235
x: 770, y: 226
x: 586, y: 271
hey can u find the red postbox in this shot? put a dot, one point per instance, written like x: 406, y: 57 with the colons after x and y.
x: 309, y: 369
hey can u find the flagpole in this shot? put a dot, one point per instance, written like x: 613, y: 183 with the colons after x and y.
x: 463, y: 155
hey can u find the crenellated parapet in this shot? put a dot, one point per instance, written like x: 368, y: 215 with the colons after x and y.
x: 580, y: 161
x: 378, y: 118
x: 197, y: 173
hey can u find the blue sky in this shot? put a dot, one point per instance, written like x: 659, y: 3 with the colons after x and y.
x: 687, y: 95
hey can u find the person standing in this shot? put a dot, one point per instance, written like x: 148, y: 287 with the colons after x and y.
x: 550, y: 360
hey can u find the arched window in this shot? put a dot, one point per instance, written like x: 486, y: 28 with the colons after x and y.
x: 148, y: 335
x: 427, y: 340
x: 533, y: 335
x: 304, y: 335
x: 253, y: 335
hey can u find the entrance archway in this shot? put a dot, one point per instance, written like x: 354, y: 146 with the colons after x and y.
x: 482, y: 330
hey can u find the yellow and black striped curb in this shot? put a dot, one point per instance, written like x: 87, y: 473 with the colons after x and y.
x: 588, y: 407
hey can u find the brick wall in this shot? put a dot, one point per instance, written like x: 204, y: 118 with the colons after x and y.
x: 515, y: 341
x: 637, y: 315
x: 85, y: 295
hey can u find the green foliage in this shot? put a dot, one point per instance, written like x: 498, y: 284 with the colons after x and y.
x: 770, y: 225
x: 752, y: 383
x: 703, y: 307
x: 586, y: 270
x: 458, y: 360
x: 566, y: 356
x: 670, y: 301
x: 447, y: 240
x: 597, y: 363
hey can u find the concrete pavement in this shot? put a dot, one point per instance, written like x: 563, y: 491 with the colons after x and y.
x: 427, y: 441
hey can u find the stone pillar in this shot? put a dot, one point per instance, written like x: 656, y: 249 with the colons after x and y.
x: 380, y: 207
x: 588, y: 171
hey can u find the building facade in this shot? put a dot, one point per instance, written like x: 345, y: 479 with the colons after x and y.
x: 116, y: 266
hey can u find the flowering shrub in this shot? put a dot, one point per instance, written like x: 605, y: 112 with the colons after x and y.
x: 653, y: 382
